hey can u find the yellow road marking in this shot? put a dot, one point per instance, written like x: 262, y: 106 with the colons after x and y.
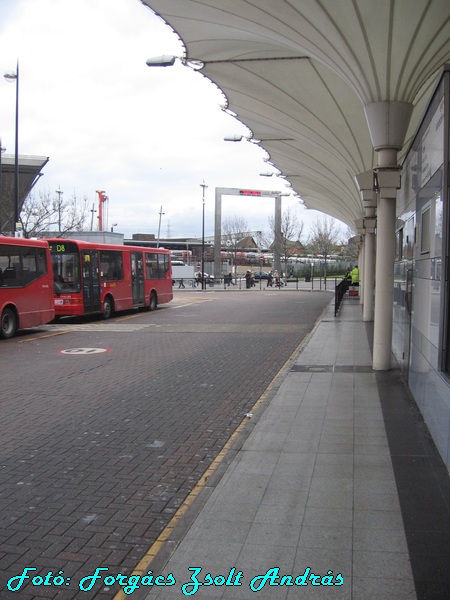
x: 43, y: 336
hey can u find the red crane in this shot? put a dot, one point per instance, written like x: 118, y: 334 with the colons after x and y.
x: 102, y: 197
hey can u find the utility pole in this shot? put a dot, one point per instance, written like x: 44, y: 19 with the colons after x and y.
x: 92, y: 218
x: 60, y: 193
x: 1, y: 180
x: 204, y: 186
x: 159, y: 226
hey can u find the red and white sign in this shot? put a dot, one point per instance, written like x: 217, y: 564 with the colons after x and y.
x: 83, y: 351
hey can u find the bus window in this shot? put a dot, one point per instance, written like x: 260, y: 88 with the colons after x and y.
x: 163, y: 265
x: 151, y: 265
x: 10, y: 265
x: 111, y: 265
x: 34, y: 264
x: 157, y: 265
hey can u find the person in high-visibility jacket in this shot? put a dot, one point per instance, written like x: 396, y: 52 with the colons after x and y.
x: 355, y: 275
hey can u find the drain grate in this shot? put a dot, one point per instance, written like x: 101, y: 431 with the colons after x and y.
x: 331, y: 369
x: 312, y: 368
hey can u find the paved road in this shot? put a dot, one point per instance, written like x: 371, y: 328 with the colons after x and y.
x: 99, y: 450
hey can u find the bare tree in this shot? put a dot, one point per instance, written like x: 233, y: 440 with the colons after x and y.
x: 44, y: 213
x: 289, y: 236
x: 323, y: 237
x: 350, y: 244
x: 234, y: 230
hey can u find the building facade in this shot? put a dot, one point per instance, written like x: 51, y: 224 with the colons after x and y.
x: 421, y: 332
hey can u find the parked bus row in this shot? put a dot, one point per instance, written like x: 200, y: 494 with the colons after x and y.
x: 41, y: 280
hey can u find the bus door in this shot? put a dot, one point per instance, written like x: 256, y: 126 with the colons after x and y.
x: 91, y: 281
x: 137, y: 277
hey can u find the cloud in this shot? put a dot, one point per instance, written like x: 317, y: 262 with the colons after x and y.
x: 148, y: 137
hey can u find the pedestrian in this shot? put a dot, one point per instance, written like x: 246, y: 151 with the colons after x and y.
x: 269, y: 279
x: 181, y: 285
x: 247, y: 280
x: 355, y: 275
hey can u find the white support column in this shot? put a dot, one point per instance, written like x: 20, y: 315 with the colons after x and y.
x: 361, y: 265
x: 366, y: 184
x: 388, y: 123
x: 388, y: 182
x: 359, y: 225
x: 369, y: 265
x: 217, y: 233
x: 384, y: 288
x: 277, y: 235
x: 369, y: 276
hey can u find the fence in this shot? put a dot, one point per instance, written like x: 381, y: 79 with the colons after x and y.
x: 339, y: 293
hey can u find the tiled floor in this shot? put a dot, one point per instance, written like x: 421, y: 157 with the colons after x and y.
x: 312, y: 492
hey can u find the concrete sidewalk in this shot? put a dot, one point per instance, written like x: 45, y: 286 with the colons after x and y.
x: 310, y: 491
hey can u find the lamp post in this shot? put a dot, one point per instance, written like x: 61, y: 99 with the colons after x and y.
x: 1, y: 178
x: 12, y: 77
x: 60, y: 193
x: 159, y: 226
x: 204, y: 186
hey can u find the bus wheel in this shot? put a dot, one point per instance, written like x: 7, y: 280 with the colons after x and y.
x: 9, y: 324
x: 107, y: 307
x: 153, y: 302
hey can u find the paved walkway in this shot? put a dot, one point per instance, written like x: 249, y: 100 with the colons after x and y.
x: 334, y: 483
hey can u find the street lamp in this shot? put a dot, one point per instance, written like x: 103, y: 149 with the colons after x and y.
x: 60, y: 193
x: 159, y: 226
x: 1, y: 178
x: 204, y: 186
x: 166, y: 60
x: 15, y: 77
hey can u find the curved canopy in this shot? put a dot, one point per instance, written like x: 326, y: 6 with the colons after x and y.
x: 29, y: 170
x: 300, y: 73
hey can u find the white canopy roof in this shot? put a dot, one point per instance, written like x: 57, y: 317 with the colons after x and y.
x: 300, y: 74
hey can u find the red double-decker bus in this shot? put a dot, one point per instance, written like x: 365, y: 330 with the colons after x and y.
x: 94, y: 278
x: 26, y: 285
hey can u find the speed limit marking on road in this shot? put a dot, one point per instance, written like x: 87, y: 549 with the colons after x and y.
x: 83, y: 351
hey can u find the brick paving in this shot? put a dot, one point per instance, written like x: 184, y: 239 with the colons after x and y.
x: 99, y: 451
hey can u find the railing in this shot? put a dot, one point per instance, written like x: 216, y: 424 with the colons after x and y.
x: 339, y: 293
x: 293, y: 283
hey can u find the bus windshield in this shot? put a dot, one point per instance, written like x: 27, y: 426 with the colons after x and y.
x: 66, y: 267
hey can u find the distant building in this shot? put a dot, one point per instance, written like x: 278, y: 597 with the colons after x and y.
x: 30, y: 168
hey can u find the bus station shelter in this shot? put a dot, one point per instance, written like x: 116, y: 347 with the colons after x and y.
x: 350, y: 99
x: 29, y: 172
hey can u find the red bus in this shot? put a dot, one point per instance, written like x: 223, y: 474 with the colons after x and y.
x: 26, y: 285
x: 94, y: 278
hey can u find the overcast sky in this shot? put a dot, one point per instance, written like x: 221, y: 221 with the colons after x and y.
x: 148, y: 137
